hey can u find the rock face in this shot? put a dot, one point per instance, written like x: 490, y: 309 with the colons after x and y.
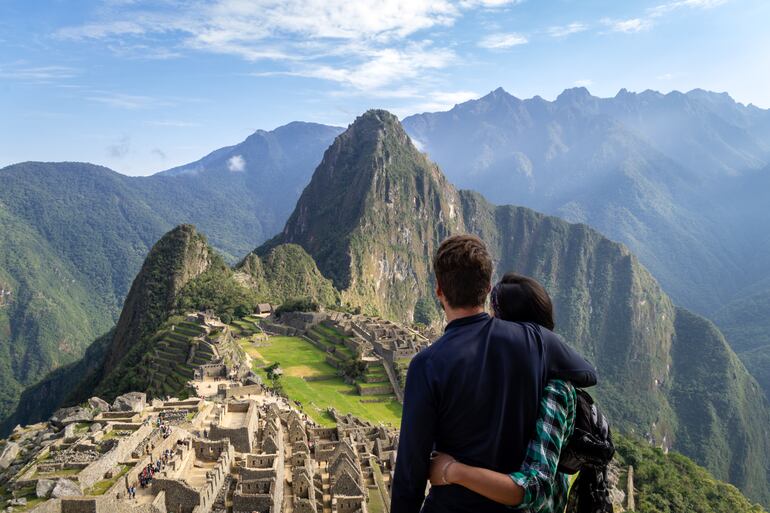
x: 374, y: 213
x: 9, y: 453
x: 72, y: 415
x: 65, y: 488
x: 97, y: 403
x: 44, y: 488
x: 132, y: 401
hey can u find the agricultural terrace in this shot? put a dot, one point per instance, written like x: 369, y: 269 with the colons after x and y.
x: 300, y: 360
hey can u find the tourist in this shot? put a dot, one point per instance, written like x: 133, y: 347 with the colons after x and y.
x: 474, y: 393
x: 536, y: 486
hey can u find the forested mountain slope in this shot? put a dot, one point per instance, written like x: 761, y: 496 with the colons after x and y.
x: 75, y: 235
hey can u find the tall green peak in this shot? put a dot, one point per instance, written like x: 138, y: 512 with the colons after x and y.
x: 285, y: 272
x: 372, y: 215
x: 178, y: 257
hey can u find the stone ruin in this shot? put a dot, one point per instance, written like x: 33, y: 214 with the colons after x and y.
x: 242, y: 453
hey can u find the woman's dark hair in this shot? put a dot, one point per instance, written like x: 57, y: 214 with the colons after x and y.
x: 520, y: 298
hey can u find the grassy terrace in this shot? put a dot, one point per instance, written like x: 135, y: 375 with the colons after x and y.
x: 101, y: 487
x: 299, y: 359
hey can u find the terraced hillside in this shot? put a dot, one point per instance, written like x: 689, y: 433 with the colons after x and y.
x: 170, y: 364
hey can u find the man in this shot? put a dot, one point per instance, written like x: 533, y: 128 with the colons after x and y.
x: 475, y: 392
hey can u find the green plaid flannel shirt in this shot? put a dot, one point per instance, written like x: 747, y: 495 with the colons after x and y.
x: 545, y: 489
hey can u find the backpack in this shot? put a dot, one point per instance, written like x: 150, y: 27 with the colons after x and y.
x: 589, y: 451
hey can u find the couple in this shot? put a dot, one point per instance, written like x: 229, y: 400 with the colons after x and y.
x: 472, y: 401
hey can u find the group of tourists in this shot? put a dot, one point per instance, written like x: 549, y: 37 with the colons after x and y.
x: 165, y: 428
x: 147, y: 474
x: 490, y: 407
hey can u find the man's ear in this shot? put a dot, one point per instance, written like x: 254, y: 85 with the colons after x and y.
x: 440, y: 296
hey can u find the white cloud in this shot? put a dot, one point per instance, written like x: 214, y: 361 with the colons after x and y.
x: 628, y: 26
x: 586, y: 82
x: 236, y: 163
x: 435, y: 101
x: 662, y: 9
x: 126, y: 101
x: 566, y: 30
x: 665, y: 76
x: 654, y: 13
x: 381, y: 68
x: 38, y: 72
x: 502, y: 40
x: 363, y: 44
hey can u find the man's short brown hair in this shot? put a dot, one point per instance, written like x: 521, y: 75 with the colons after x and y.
x: 463, y: 270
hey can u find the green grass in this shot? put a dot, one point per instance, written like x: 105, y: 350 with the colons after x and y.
x: 28, y: 493
x: 299, y: 358
x: 67, y: 472
x: 373, y: 385
x: 101, y: 487
x: 330, y: 331
x: 375, y: 504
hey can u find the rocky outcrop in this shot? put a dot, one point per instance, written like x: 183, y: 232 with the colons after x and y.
x: 8, y: 454
x: 132, y: 401
x: 65, y: 488
x: 99, y: 404
x: 72, y: 415
x: 44, y: 488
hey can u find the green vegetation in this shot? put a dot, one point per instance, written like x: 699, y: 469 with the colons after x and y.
x: 28, y: 492
x: 218, y: 290
x: 75, y: 236
x: 286, y: 273
x: 101, y: 487
x: 672, y: 483
x: 300, y: 359
x: 304, y: 304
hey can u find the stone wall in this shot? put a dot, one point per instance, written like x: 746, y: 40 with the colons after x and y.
x: 349, y: 505
x: 243, y: 390
x: 385, y: 388
x: 179, y: 496
x: 121, y: 452
x: 241, y: 437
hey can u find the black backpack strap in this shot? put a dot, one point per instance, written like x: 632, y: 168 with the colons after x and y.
x: 590, y: 492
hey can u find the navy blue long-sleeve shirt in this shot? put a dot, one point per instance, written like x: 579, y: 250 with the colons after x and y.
x: 474, y: 394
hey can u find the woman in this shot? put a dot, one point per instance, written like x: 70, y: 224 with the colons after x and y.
x: 537, y: 486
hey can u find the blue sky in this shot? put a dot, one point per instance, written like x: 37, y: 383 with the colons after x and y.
x: 143, y: 86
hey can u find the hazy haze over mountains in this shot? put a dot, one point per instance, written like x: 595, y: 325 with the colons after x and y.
x: 682, y: 179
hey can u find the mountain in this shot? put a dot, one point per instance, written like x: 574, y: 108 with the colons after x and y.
x: 375, y: 210
x: 75, y: 235
x: 181, y: 273
x: 679, y: 178
x: 285, y: 272
x: 263, y: 176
